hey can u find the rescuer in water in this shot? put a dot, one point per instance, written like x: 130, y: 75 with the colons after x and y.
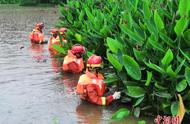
x: 37, y: 36
x: 91, y: 86
x: 73, y: 62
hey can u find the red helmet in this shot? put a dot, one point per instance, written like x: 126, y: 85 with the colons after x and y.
x: 40, y: 25
x: 54, y: 31
x: 94, y: 61
x: 62, y: 30
x: 77, y: 48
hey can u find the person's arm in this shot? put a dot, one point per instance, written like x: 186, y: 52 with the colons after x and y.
x: 94, y: 98
x: 41, y: 37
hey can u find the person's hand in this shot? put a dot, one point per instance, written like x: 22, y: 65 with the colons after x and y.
x: 116, y: 95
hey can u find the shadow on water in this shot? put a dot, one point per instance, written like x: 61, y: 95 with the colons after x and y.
x: 32, y: 88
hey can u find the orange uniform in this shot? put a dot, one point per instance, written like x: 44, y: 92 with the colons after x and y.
x: 62, y: 32
x: 72, y: 63
x: 37, y: 36
x: 55, y: 41
x: 91, y: 87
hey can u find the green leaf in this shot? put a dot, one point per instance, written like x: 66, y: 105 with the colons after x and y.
x: 180, y: 26
x: 167, y: 39
x: 78, y: 37
x: 174, y: 108
x: 139, y: 40
x: 111, y: 78
x: 187, y: 75
x: 146, y: 10
x: 69, y: 17
x: 113, y: 60
x: 180, y: 66
x: 170, y: 72
x: 89, y: 14
x: 151, y: 27
x: 181, y: 86
x: 163, y: 95
x: 149, y: 77
x: 81, y: 16
x: 138, y: 55
x: 136, y: 5
x: 120, y: 114
x: 185, y: 55
x: 141, y: 122
x: 59, y: 48
x: 160, y: 87
x: 77, y: 4
x: 155, y: 67
x: 139, y: 100
x: 158, y: 21
x: 167, y: 58
x: 129, y: 20
x: 135, y: 91
x: 137, y: 111
x: 184, y: 7
x: 89, y: 53
x: 154, y: 42
x: 132, y: 67
x: 105, y: 30
x: 187, y: 36
x: 113, y: 44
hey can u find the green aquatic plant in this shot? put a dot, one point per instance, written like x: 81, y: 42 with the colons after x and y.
x: 145, y: 41
x: 9, y: 1
x: 30, y: 2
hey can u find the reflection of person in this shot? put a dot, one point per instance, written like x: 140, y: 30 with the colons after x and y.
x: 36, y: 49
x: 54, y: 39
x: 62, y: 32
x: 91, y: 86
x: 88, y: 113
x: 37, y: 36
x: 73, y: 62
x: 70, y: 82
x: 56, y: 65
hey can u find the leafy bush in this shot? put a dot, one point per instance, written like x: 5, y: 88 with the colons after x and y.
x: 29, y: 2
x: 146, y: 41
x: 9, y: 1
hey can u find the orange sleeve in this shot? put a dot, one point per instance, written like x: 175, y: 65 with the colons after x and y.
x: 41, y: 37
x: 94, y: 98
x: 74, y: 67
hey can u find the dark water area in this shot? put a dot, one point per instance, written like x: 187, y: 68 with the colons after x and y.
x: 32, y: 88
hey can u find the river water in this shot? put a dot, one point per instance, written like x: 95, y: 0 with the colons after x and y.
x: 32, y: 88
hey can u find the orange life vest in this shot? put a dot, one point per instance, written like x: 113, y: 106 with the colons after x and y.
x: 52, y: 41
x: 72, y: 63
x: 91, y: 88
x: 36, y: 36
x: 87, y: 79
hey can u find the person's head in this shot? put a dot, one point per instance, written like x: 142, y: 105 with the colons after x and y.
x: 94, y: 64
x: 54, y: 32
x: 62, y: 31
x: 40, y: 25
x: 78, y: 50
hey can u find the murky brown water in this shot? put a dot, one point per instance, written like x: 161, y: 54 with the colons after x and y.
x: 32, y: 88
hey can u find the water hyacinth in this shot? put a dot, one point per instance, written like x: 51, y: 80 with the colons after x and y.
x: 147, y: 43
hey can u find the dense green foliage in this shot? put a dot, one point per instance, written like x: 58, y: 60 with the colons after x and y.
x: 9, y: 1
x: 30, y: 2
x: 146, y: 41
